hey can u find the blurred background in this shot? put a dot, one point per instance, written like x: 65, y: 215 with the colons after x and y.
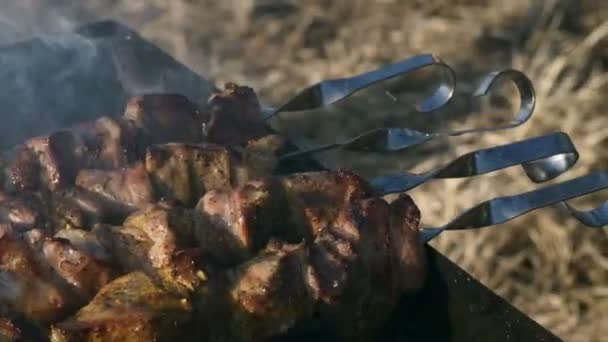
x: 546, y: 264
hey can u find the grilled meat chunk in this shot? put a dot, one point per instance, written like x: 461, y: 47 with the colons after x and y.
x: 80, y: 269
x: 130, y: 186
x: 76, y: 207
x: 166, y: 118
x: 86, y: 241
x: 232, y: 224
x: 130, y: 308
x: 28, y: 286
x: 154, y: 239
x: 316, y: 197
x: 185, y: 172
x: 263, y: 297
x: 235, y: 116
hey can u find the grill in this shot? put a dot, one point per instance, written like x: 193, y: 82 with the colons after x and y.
x: 118, y: 63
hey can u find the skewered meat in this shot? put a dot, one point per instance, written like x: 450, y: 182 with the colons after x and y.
x: 128, y: 186
x: 263, y: 297
x: 21, y: 213
x: 131, y: 308
x: 235, y: 116
x: 166, y: 118
x: 149, y: 240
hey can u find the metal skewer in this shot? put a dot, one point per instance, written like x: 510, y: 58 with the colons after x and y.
x: 329, y: 92
x: 503, y: 209
x: 397, y: 139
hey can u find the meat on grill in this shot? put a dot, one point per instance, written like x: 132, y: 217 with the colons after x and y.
x: 180, y: 204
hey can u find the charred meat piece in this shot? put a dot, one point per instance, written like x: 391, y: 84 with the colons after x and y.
x: 235, y: 116
x: 59, y: 156
x: 80, y: 269
x: 185, y: 172
x: 231, y: 225
x: 265, y: 296
x: 317, y: 197
x: 76, y: 207
x: 130, y: 308
x: 28, y: 286
x: 149, y: 240
x: 85, y: 241
x: 130, y: 186
x: 166, y: 118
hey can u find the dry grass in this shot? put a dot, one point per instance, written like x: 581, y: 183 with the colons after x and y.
x: 553, y: 269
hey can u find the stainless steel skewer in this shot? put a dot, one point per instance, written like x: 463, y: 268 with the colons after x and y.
x: 397, y: 139
x: 328, y: 92
x: 542, y: 158
x: 503, y: 209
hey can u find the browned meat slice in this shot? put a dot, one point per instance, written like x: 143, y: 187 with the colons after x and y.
x: 28, y: 286
x: 235, y: 116
x: 151, y: 240
x: 80, y: 269
x: 266, y: 296
x: 166, y: 118
x: 316, y: 197
x: 232, y: 224
x: 128, y: 186
x: 131, y: 308
x: 184, y: 172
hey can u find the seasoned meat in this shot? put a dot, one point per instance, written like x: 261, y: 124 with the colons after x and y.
x: 80, y: 269
x: 264, y: 297
x: 185, y: 172
x: 128, y: 186
x: 166, y: 118
x: 235, y: 116
x: 86, y: 241
x: 28, y: 286
x: 76, y: 207
x: 233, y: 224
x: 130, y: 308
x: 316, y: 197
x: 59, y: 158
x: 149, y: 240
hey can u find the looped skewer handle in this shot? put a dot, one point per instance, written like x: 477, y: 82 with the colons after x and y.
x: 542, y: 158
x: 384, y: 140
x: 594, y: 218
x: 503, y: 209
x: 329, y: 92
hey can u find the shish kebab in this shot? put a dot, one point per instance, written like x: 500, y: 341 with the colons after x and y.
x: 137, y: 258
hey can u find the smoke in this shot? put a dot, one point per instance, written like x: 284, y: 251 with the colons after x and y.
x: 52, y: 76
